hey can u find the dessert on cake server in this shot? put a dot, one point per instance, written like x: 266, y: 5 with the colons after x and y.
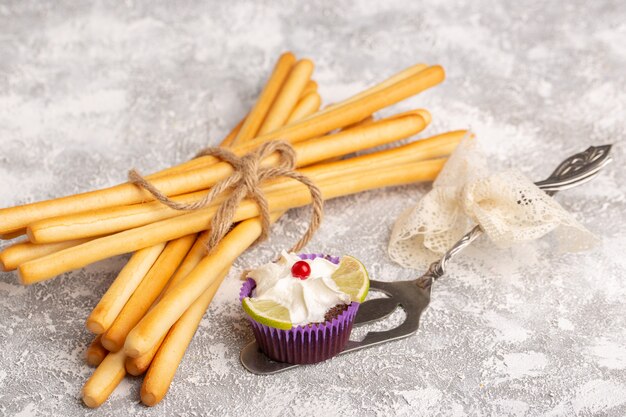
x: 302, y: 307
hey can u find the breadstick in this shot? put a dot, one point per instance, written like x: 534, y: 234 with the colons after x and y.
x: 421, y: 150
x: 24, y: 251
x: 176, y: 183
x: 365, y: 122
x: 307, y: 105
x: 122, y: 288
x: 95, y: 353
x: 360, y: 138
x: 311, y: 87
x: 104, y: 380
x: 115, y: 219
x: 356, y: 110
x: 288, y: 96
x: 137, y: 366
x: 402, y: 75
x: 127, y: 241
x: 168, y: 310
x: 13, y: 218
x: 267, y: 97
x: 164, y: 365
x: 147, y: 292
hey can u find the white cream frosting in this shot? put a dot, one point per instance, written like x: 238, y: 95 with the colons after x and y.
x: 307, y: 300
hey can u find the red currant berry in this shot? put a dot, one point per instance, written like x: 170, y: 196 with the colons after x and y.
x: 301, y: 269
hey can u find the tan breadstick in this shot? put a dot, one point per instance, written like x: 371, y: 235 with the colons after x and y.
x: 267, y: 97
x: 168, y: 310
x: 127, y: 241
x: 356, y: 110
x: 95, y: 353
x: 201, y: 178
x: 105, y: 378
x: 402, y: 75
x: 370, y: 119
x: 288, y: 96
x: 147, y: 292
x: 360, y: 138
x: 421, y: 150
x: 117, y: 195
x: 424, y: 113
x: 110, y: 220
x: 386, y: 92
x: 307, y: 105
x: 365, y: 122
x: 24, y: 251
x: 13, y: 218
x: 172, y: 349
x: 137, y: 366
x: 310, y: 87
x: 122, y: 288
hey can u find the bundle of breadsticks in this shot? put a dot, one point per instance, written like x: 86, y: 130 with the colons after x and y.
x: 148, y: 316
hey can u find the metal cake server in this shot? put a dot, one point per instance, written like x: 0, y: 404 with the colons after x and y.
x: 413, y: 296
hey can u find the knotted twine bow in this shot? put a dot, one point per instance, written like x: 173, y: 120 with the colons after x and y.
x: 245, y: 181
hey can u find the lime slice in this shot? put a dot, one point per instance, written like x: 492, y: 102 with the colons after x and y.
x: 267, y: 312
x: 351, y: 277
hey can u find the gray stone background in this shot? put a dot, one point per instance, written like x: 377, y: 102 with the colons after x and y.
x: 90, y: 89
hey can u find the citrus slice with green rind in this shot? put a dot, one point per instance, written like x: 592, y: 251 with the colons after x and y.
x: 351, y: 278
x: 267, y: 312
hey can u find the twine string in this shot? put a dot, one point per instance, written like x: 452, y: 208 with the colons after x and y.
x: 245, y: 181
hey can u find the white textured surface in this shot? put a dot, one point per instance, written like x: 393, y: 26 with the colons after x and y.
x: 88, y: 91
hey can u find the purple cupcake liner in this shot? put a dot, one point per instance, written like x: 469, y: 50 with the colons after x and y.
x: 303, y: 344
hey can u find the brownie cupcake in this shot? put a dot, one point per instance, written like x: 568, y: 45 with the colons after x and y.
x: 301, y: 307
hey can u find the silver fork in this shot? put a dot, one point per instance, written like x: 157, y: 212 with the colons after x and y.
x: 413, y: 296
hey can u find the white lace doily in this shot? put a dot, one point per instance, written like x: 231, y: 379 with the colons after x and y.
x: 507, y: 205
